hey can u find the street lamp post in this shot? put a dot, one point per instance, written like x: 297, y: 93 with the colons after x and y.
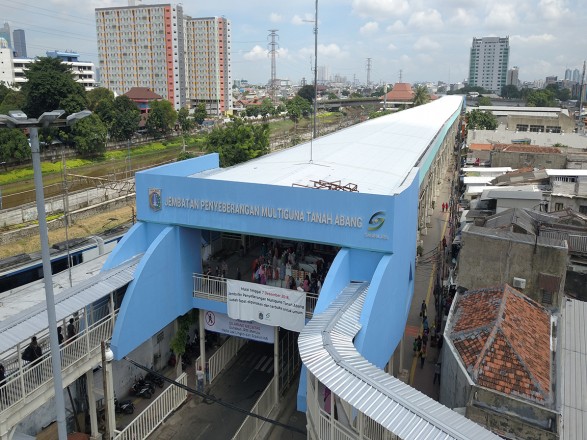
x: 18, y: 119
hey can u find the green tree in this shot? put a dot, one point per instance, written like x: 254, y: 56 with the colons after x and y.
x: 379, y: 91
x: 14, y: 146
x: 238, y: 142
x: 89, y: 136
x: 298, y: 107
x: 186, y: 123
x: 483, y: 101
x: 13, y: 100
x: 125, y: 119
x: 540, y: 98
x: 50, y: 86
x: 161, y: 119
x: 332, y: 95
x: 98, y: 94
x: 421, y: 95
x: 307, y: 92
x: 510, y: 92
x: 267, y: 108
x: 4, y: 89
x: 200, y: 113
x: 481, y: 119
x: 345, y: 93
x: 252, y: 110
x: 468, y: 89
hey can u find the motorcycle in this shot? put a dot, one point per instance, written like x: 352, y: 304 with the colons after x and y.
x: 143, y: 390
x: 126, y: 406
x: 148, y: 383
x: 156, y: 379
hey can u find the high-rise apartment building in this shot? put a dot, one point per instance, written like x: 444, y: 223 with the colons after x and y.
x: 568, y: 74
x: 488, y: 64
x: 142, y: 46
x: 207, y: 54
x: 186, y: 60
x: 576, y: 75
x: 19, y: 43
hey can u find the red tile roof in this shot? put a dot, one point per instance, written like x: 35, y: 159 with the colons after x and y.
x: 142, y: 93
x: 400, y: 92
x: 480, y: 147
x: 503, y: 338
x: 526, y: 148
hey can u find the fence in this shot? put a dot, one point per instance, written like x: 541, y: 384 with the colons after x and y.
x: 264, y: 406
x: 223, y: 356
x: 154, y: 415
x: 32, y: 376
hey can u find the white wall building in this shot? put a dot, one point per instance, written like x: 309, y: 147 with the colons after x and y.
x: 488, y: 63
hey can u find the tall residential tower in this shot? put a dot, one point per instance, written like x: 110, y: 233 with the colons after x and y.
x: 186, y: 60
x: 488, y: 64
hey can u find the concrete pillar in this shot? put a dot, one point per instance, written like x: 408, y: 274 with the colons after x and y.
x: 276, y: 362
x: 94, y: 433
x: 108, y: 393
x: 202, y: 332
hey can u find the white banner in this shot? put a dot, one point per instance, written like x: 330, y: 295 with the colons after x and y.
x: 221, y: 323
x: 266, y: 304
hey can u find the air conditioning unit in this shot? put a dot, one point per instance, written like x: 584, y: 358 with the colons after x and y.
x: 519, y: 283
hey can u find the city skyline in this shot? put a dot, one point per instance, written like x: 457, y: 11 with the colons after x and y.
x: 425, y: 40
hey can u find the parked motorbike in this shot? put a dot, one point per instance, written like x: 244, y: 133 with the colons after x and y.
x: 148, y: 383
x: 156, y: 379
x: 143, y: 390
x: 126, y: 406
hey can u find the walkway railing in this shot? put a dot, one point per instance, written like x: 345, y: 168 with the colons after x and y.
x: 214, y: 288
x: 154, y: 415
x: 223, y: 356
x: 252, y: 426
x: 31, y: 377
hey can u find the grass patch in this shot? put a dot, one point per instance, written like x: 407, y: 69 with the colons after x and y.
x: 25, y: 173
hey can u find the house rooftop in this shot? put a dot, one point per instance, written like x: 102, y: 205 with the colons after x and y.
x: 142, y: 93
x: 503, y: 339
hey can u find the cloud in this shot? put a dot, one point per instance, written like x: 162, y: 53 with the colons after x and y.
x: 369, y: 28
x: 462, y: 17
x: 426, y: 43
x: 392, y: 46
x: 380, y: 8
x: 298, y: 21
x: 256, y: 53
x: 398, y: 27
x: 502, y: 16
x: 275, y: 17
x: 533, y: 39
x: 427, y: 19
x: 553, y: 10
x: 332, y: 50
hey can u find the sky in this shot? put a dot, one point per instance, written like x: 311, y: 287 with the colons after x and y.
x: 427, y: 40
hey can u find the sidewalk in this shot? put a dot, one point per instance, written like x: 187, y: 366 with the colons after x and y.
x: 418, y: 377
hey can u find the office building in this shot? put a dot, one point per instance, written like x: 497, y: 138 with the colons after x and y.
x: 83, y: 71
x: 489, y: 63
x: 512, y: 77
x: 576, y: 75
x: 568, y: 74
x: 185, y: 60
x: 6, y: 35
x: 207, y: 54
x: 19, y: 43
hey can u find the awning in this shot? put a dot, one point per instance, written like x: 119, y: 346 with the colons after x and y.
x: 33, y: 320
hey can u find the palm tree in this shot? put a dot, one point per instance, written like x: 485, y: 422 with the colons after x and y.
x: 421, y: 95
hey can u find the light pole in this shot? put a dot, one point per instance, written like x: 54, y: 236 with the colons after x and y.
x: 18, y: 119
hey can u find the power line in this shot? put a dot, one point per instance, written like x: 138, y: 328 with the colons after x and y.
x: 213, y: 399
x: 53, y: 14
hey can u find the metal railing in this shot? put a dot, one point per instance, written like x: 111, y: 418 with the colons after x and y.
x: 252, y: 426
x: 214, y: 288
x: 154, y: 415
x: 223, y: 356
x: 32, y: 376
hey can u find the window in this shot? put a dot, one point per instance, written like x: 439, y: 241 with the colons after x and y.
x: 583, y: 209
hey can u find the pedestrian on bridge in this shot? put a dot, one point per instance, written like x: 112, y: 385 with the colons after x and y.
x: 200, y: 379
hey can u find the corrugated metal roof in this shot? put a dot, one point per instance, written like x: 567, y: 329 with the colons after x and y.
x: 573, y: 355
x: 376, y: 155
x: 327, y: 350
x: 21, y: 326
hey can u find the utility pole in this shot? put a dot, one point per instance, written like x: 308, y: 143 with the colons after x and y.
x: 315, y: 70
x: 581, y: 126
x: 66, y: 212
x: 273, y: 46
x: 400, y: 75
x: 368, y: 72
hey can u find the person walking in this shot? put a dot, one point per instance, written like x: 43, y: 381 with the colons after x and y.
x: 33, y: 351
x: 436, y: 373
x: 422, y: 356
x: 70, y: 330
x: 200, y: 379
x: 59, y: 335
x: 423, y: 309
